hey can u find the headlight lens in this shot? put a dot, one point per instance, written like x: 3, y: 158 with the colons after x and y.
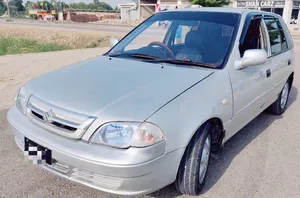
x: 126, y: 134
x: 21, y: 99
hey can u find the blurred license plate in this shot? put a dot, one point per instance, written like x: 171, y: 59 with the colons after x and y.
x: 37, y: 153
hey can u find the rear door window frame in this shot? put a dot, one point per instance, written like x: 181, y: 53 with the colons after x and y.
x: 278, y: 22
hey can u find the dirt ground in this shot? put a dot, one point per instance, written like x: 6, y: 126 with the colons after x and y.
x: 17, y: 69
x: 262, y: 160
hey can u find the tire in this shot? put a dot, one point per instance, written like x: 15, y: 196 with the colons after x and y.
x: 279, y: 106
x: 189, y: 179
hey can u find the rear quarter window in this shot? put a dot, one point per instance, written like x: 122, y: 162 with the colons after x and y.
x: 274, y: 35
x: 284, y: 42
x: 287, y: 33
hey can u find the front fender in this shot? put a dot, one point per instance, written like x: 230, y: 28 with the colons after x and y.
x: 182, y: 117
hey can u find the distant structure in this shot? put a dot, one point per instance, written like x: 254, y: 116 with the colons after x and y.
x: 288, y: 9
x: 141, y: 9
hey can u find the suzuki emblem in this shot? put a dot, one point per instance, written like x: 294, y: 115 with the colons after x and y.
x: 48, y: 116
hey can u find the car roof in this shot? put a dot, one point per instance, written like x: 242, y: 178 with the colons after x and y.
x: 221, y: 9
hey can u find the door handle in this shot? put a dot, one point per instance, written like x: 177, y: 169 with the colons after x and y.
x: 289, y: 62
x: 268, y: 73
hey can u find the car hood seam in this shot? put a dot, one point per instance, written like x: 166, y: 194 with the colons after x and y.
x: 179, y: 95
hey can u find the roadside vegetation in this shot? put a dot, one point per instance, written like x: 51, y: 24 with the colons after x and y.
x: 22, y: 45
x: 18, y: 40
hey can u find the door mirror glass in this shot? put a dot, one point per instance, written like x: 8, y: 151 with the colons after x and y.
x: 113, y: 42
x: 252, y: 57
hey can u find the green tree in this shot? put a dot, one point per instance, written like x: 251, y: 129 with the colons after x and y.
x: 116, y: 8
x: 45, y: 5
x: 18, y: 4
x: 80, y: 5
x: 29, y: 5
x: 60, y: 6
x: 101, y: 5
x: 14, y: 7
x: 91, y: 6
x: 2, y: 7
x: 210, y: 3
x: 96, y: 2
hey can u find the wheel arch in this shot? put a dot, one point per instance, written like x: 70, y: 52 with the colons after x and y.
x: 217, y: 138
x: 218, y: 135
x: 291, y: 79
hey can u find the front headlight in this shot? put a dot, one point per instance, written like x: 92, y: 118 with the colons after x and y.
x: 126, y: 134
x: 21, y: 99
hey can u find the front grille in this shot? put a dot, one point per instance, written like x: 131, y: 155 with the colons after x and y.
x: 57, y: 119
x: 64, y: 126
x: 37, y: 115
x: 57, y: 124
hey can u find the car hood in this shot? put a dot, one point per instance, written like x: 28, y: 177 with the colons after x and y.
x: 114, y: 88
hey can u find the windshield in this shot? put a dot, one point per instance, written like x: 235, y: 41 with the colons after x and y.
x: 180, y: 37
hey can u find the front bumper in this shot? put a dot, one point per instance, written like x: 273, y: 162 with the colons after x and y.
x: 133, y: 171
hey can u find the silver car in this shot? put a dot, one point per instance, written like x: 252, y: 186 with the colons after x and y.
x: 151, y: 110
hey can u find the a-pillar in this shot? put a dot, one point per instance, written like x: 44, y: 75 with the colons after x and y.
x: 298, y: 18
x: 287, y: 11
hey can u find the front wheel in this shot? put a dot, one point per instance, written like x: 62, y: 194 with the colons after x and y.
x: 279, y: 106
x: 194, y: 164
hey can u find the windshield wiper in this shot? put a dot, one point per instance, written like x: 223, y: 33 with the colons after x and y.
x: 135, y: 55
x: 184, y: 62
x: 154, y: 59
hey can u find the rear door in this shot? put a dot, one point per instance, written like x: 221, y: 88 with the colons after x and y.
x: 280, y: 54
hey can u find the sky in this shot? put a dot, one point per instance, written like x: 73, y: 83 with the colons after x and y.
x: 113, y: 3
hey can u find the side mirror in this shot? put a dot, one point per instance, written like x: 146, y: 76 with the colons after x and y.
x: 113, y: 42
x: 252, y: 57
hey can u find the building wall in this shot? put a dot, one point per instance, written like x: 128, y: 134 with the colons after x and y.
x: 288, y: 9
x: 147, y: 11
x: 127, y: 14
x: 147, y: 8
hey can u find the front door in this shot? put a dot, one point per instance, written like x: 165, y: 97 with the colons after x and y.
x: 250, y: 85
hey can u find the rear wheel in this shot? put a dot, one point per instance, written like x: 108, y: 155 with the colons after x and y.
x: 194, y: 164
x: 279, y: 106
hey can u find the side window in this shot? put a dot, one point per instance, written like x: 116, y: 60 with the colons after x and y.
x: 181, y: 32
x: 274, y: 34
x: 284, y: 44
x: 254, y: 38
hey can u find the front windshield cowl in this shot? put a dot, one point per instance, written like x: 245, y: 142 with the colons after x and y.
x: 196, y: 38
x: 153, y: 59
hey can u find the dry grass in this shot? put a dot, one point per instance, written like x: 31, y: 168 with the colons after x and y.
x: 119, y: 22
x: 72, y: 39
